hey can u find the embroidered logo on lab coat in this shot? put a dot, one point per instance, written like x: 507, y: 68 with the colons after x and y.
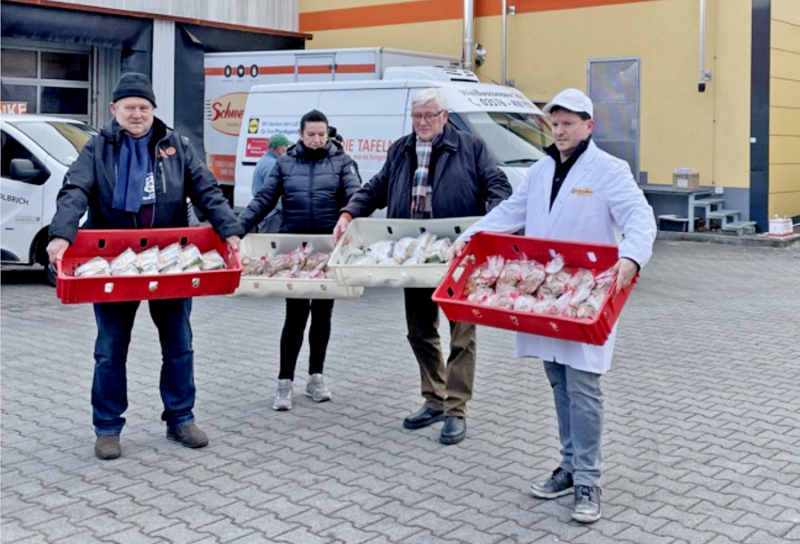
x: 582, y: 191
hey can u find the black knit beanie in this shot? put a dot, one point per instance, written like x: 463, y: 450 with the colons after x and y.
x: 133, y: 84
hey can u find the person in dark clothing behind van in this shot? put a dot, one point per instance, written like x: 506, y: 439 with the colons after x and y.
x: 278, y: 144
x: 435, y: 171
x: 137, y: 173
x: 315, y: 179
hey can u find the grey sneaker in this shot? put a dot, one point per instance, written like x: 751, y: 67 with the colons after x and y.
x: 586, y: 508
x: 557, y: 485
x: 316, y: 388
x: 283, y: 399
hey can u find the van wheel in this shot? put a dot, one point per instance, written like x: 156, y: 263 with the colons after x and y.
x: 51, y: 273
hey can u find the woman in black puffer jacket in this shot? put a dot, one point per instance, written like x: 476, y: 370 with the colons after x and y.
x: 316, y: 179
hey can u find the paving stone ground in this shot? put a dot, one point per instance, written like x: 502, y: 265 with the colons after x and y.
x: 702, y: 438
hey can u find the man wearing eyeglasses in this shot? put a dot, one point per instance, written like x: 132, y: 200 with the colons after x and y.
x: 438, y: 172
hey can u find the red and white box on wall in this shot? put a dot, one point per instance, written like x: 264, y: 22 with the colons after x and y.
x: 451, y: 294
x: 108, y: 244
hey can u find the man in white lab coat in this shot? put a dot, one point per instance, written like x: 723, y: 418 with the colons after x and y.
x: 578, y: 193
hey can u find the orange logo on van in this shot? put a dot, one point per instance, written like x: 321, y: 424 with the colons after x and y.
x: 227, y: 112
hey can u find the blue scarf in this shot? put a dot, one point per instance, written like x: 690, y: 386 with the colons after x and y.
x: 135, y: 163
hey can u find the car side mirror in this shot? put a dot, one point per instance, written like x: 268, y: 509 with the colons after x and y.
x: 23, y: 170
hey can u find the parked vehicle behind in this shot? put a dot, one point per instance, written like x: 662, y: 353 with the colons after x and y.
x: 371, y: 114
x: 37, y: 151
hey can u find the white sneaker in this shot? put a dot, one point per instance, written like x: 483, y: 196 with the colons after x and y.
x: 316, y: 388
x: 283, y: 399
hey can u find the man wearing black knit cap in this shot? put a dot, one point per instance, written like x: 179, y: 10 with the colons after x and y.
x: 137, y: 173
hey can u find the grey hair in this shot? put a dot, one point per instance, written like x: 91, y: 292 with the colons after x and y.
x: 426, y: 95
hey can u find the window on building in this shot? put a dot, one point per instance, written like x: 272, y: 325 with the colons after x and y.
x: 71, y: 66
x: 19, y: 63
x: 48, y: 81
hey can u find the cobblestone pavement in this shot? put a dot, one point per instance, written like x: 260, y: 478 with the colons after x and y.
x: 702, y: 441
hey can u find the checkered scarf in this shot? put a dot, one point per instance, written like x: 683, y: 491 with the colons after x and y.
x: 421, y: 190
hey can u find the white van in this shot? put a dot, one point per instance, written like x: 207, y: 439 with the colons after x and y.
x: 370, y: 115
x: 37, y: 151
x: 229, y: 77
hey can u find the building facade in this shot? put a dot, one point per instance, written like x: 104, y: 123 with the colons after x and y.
x: 64, y: 57
x: 734, y: 123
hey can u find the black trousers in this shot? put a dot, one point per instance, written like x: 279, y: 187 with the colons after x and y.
x: 294, y: 328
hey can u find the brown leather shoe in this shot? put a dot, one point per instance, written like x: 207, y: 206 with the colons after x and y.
x: 189, y: 435
x: 107, y: 447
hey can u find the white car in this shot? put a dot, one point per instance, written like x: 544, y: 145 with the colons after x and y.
x: 37, y: 151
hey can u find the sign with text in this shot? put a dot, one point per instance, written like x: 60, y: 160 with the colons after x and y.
x: 13, y: 108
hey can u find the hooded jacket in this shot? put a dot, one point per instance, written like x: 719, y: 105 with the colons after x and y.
x: 178, y: 174
x: 314, y: 183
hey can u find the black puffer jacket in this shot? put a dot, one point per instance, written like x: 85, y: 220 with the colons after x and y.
x: 465, y: 179
x: 179, y: 173
x: 314, y: 184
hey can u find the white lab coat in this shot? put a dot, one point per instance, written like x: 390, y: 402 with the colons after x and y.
x: 599, y: 202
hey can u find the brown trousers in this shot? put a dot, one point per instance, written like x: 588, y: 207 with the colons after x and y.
x: 447, y: 387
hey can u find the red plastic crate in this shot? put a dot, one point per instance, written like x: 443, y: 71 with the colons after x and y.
x: 110, y: 243
x: 595, y: 257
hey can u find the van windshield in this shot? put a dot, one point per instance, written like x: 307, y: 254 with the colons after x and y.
x: 61, y: 140
x: 513, y: 138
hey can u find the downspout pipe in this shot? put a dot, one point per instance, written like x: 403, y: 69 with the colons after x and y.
x: 503, y: 51
x: 469, y: 27
x: 705, y: 75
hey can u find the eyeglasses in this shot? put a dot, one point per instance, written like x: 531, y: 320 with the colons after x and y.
x: 417, y: 117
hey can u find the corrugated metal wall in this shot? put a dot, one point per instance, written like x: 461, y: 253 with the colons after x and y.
x: 273, y: 14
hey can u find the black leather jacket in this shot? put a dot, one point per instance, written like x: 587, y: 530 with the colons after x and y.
x: 179, y: 173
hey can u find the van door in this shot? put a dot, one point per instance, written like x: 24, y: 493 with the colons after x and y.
x: 314, y: 68
x: 22, y: 188
x: 266, y: 114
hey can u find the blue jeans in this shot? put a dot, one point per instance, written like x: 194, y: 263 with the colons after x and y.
x: 579, y: 407
x: 109, y: 389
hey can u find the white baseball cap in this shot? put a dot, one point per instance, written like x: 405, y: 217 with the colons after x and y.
x: 572, y: 100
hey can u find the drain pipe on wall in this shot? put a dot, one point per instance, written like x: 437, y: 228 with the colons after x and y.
x: 705, y: 75
x: 469, y: 25
x: 503, y: 48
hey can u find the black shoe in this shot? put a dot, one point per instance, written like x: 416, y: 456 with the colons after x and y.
x: 454, y: 430
x: 426, y: 416
x: 557, y: 485
x: 586, y: 508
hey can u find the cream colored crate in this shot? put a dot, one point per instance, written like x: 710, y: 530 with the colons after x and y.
x: 364, y: 231
x: 264, y: 286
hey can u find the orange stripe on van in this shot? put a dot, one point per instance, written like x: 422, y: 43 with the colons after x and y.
x: 262, y: 70
x: 355, y: 68
x: 426, y: 11
x: 273, y: 70
x: 314, y: 69
x: 318, y: 69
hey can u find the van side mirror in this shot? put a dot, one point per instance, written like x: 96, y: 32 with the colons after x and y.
x: 23, y: 170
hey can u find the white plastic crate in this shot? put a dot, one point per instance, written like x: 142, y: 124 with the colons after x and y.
x: 364, y: 231
x: 265, y: 286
